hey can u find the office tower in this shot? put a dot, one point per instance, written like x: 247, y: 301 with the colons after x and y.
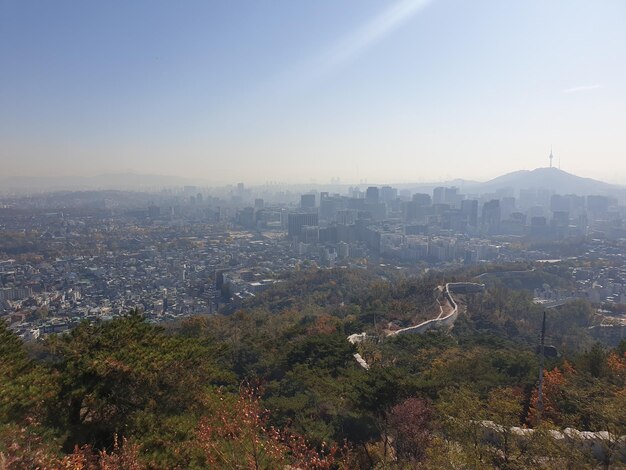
x: 346, y: 217
x: 469, y: 207
x: 439, y: 195
x: 507, y: 207
x: 597, y: 204
x: 295, y: 222
x: 422, y: 199
x: 388, y: 194
x: 307, y: 201
x: 328, y: 208
x: 451, y: 196
x: 372, y: 195
x: 491, y: 215
x: 246, y: 217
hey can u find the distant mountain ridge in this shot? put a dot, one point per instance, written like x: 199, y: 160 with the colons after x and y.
x: 132, y: 181
x: 552, y: 179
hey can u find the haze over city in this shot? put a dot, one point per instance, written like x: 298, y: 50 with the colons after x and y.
x: 317, y: 235
x: 404, y: 91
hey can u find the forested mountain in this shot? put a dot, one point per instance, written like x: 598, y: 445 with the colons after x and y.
x: 276, y: 384
x: 558, y: 180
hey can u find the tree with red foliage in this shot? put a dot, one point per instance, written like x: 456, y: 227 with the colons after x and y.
x: 410, y: 426
x: 124, y: 456
x: 616, y: 365
x: 27, y: 449
x: 237, y: 435
x: 553, y: 391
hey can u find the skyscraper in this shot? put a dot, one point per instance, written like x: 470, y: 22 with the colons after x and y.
x: 372, y: 195
x: 388, y: 194
x: 491, y: 215
x: 469, y: 207
x: 295, y: 222
x: 307, y: 201
x: 439, y: 195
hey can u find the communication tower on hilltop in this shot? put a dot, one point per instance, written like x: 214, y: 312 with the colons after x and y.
x: 551, y: 156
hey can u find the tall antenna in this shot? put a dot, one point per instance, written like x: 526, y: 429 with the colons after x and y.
x: 551, y: 156
x: 541, y: 362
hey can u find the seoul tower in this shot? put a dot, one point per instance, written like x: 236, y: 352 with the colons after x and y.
x: 551, y: 156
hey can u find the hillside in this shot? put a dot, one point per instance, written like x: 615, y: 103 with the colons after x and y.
x: 553, y: 179
x: 132, y: 181
x: 276, y: 385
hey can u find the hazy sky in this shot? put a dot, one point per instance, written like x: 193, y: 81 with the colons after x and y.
x: 304, y: 91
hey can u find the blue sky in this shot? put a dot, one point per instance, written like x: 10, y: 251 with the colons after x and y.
x: 228, y: 91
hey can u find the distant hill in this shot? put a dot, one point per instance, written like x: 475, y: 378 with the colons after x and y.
x: 553, y: 179
x: 127, y: 181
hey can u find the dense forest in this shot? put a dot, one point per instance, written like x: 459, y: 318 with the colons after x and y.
x: 275, y: 385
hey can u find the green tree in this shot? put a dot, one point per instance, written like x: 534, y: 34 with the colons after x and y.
x: 461, y: 413
x: 126, y: 377
x: 25, y: 386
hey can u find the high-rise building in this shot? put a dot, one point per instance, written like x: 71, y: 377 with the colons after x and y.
x: 418, y: 207
x: 372, y: 195
x: 538, y: 227
x: 422, y: 199
x: 346, y: 217
x: 295, y: 222
x: 343, y: 250
x: 451, y: 196
x: 328, y: 207
x: 307, y: 201
x: 491, y: 215
x: 597, y: 204
x: 507, y: 207
x: 469, y: 207
x: 15, y: 293
x: 560, y: 219
x: 559, y: 203
x: 527, y: 198
x: 310, y: 234
x: 246, y: 217
x: 388, y: 194
x: 439, y: 195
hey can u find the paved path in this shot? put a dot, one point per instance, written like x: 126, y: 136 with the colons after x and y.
x: 440, y: 321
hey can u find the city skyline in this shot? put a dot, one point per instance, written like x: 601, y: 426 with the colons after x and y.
x: 286, y: 234
x: 306, y: 93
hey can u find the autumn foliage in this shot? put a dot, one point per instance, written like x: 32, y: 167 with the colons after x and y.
x: 237, y: 435
x: 28, y: 450
x: 410, y: 425
x: 553, y: 391
x: 127, y: 394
